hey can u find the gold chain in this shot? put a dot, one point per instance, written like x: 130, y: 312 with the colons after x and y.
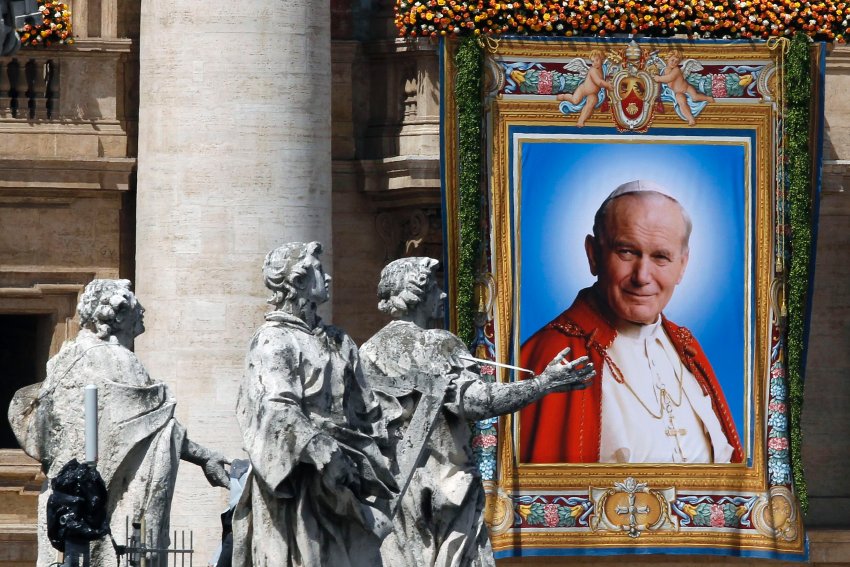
x: 620, y: 378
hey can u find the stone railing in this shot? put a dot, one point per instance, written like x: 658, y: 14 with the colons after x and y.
x: 29, y: 87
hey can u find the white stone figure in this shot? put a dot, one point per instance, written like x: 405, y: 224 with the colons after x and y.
x: 140, y: 441
x: 440, y: 521
x: 319, y: 487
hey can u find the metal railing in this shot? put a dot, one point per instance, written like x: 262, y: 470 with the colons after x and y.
x: 140, y: 552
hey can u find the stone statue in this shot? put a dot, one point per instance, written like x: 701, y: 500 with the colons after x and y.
x: 140, y: 441
x: 319, y: 489
x: 440, y: 521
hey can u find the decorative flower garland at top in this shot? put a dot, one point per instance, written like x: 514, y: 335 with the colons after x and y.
x: 56, y: 29
x: 728, y: 19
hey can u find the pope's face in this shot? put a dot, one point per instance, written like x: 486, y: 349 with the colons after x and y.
x: 641, y: 258
x: 316, y: 283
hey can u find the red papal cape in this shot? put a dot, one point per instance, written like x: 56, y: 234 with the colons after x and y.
x: 566, y: 427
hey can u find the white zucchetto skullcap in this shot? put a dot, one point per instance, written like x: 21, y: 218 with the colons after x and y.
x: 637, y: 186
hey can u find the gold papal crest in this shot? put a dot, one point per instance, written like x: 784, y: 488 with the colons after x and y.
x: 634, y: 93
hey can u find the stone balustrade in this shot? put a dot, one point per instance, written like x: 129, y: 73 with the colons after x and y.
x: 29, y: 87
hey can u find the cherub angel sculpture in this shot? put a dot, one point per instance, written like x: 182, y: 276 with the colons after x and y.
x: 588, y: 94
x: 686, y: 99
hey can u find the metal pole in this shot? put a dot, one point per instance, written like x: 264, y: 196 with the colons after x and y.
x: 90, y: 402
x: 143, y: 557
x: 76, y: 553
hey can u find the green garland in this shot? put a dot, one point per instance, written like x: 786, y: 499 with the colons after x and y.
x: 798, y: 91
x: 470, y: 70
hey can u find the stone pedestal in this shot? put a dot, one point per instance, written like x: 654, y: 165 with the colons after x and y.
x: 234, y: 159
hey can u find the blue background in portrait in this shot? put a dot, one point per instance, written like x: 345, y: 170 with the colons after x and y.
x: 562, y: 185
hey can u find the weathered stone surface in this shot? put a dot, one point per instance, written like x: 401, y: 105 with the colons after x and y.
x: 320, y: 486
x: 140, y: 441
x: 440, y: 521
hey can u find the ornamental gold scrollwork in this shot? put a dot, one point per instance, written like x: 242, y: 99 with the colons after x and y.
x: 632, y: 507
x: 775, y: 514
x: 767, y: 83
x: 498, y: 508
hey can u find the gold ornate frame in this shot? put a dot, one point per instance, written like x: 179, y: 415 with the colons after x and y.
x: 653, y: 499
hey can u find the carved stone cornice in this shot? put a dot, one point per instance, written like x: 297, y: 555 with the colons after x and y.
x: 64, y: 176
x: 92, y: 45
x: 403, y: 181
x: 838, y: 60
x: 389, y: 47
x: 19, y: 473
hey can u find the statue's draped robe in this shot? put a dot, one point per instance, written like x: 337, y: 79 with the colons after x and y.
x: 302, y: 387
x: 139, y: 439
x: 440, y: 521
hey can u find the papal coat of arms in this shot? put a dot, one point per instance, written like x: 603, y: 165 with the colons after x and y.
x: 634, y: 84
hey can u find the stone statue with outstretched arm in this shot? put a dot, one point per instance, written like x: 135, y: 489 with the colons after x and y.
x: 431, y: 392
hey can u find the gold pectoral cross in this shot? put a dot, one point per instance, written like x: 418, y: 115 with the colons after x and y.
x: 673, y: 432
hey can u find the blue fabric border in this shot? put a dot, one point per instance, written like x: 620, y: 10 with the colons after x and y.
x: 608, y: 551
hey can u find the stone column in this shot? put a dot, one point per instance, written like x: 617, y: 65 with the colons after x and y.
x: 234, y: 159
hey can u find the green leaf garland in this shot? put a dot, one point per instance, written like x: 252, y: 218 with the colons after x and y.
x: 469, y: 62
x: 798, y: 93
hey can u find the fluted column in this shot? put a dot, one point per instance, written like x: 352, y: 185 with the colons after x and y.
x: 234, y: 159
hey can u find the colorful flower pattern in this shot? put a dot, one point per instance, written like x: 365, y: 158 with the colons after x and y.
x: 733, y: 19
x: 551, y: 511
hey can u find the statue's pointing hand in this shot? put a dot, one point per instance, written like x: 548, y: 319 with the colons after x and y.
x: 562, y: 375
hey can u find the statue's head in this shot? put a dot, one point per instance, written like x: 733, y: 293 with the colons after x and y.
x: 406, y: 285
x: 293, y: 272
x: 109, y: 308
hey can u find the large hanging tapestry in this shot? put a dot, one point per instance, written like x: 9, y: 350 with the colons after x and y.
x: 634, y: 200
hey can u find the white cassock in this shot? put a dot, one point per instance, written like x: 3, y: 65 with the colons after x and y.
x: 657, y: 413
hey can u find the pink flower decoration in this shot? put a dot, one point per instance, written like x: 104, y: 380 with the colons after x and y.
x: 778, y: 407
x: 487, y: 370
x: 717, y: 519
x: 718, y: 86
x: 550, y: 515
x: 777, y: 443
x: 544, y: 83
x: 777, y: 373
x: 484, y: 441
